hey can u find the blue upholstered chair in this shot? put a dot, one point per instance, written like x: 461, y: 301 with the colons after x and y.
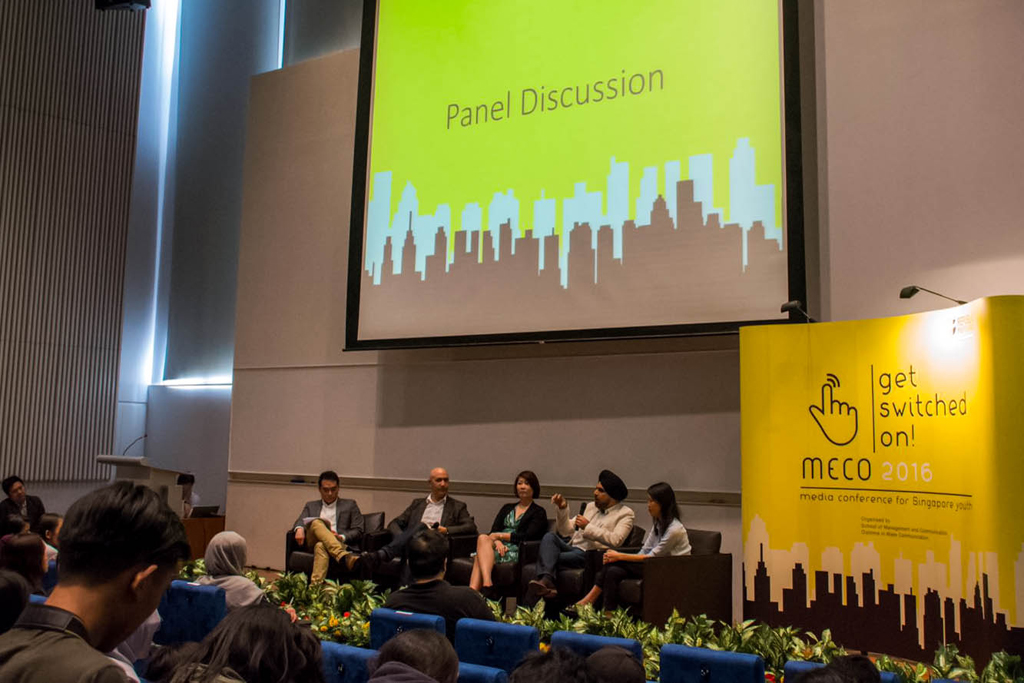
x: 345, y: 663
x: 586, y: 644
x: 189, y: 613
x: 474, y: 673
x: 682, y: 664
x: 50, y: 578
x: 795, y: 669
x: 385, y: 624
x: 491, y: 643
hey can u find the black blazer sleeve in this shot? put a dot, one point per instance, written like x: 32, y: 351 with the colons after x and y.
x: 349, y: 521
x: 499, y: 519
x: 532, y: 526
x: 401, y: 522
x: 459, y: 520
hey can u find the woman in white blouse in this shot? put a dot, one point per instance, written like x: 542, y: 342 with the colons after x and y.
x: 666, y: 537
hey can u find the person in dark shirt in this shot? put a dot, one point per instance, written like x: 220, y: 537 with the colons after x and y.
x: 18, y: 502
x: 429, y: 593
x: 120, y: 548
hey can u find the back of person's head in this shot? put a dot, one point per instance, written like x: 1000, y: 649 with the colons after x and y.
x: 117, y: 528
x: 821, y: 675
x: 12, y: 524
x: 48, y: 526
x: 855, y: 669
x: 557, y: 665
x: 26, y: 555
x: 14, y: 592
x: 428, y: 552
x: 226, y: 554
x: 425, y: 650
x: 614, y: 664
x: 9, y: 482
x: 662, y: 494
x: 260, y: 644
x: 185, y: 479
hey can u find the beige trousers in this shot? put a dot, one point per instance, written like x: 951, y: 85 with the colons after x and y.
x: 324, y: 545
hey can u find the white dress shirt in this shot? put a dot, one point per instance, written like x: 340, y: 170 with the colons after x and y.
x: 432, y: 513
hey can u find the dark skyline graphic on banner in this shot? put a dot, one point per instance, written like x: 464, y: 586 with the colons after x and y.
x: 864, y: 615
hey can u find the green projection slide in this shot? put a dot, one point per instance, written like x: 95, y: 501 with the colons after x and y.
x: 552, y: 165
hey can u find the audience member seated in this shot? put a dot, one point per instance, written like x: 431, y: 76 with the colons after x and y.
x: 822, y: 675
x: 325, y: 526
x: 429, y: 593
x: 189, y: 497
x: 514, y: 523
x: 254, y: 643
x: 120, y: 548
x: 225, y: 567
x: 49, y: 529
x: 25, y: 554
x: 18, y: 502
x: 437, y: 511
x: 557, y: 665
x: 12, y: 525
x: 605, y: 523
x: 14, y: 592
x: 417, y: 656
x: 615, y: 664
x: 666, y: 537
x: 139, y: 645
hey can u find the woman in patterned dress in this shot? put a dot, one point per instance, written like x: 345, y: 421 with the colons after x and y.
x: 524, y: 520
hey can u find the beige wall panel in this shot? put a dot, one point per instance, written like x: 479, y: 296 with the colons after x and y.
x: 924, y: 151
x: 293, y: 258
x: 303, y: 421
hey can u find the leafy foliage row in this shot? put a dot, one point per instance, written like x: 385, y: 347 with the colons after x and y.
x: 341, y: 613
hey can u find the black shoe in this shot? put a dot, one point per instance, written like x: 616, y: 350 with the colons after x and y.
x: 367, y: 564
x: 490, y: 593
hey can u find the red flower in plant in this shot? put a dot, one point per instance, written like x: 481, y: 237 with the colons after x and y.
x: 770, y: 677
x: 347, y: 615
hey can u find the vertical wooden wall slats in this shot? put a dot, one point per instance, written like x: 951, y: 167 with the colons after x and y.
x: 69, y: 89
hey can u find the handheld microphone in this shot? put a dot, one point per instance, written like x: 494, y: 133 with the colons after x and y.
x: 583, y: 508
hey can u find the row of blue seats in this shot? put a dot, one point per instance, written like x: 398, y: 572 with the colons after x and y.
x: 487, y: 650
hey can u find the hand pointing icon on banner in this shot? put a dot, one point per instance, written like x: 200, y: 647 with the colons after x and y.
x: 837, y: 419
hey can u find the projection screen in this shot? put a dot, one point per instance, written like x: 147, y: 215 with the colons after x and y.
x: 550, y: 169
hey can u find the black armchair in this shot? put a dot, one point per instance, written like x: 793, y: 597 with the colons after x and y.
x: 299, y: 559
x: 699, y: 583
x: 506, y: 577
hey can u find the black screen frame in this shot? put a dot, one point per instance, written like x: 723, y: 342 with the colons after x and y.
x: 793, y: 160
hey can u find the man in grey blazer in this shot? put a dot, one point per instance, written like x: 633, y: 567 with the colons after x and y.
x: 328, y: 525
x: 437, y: 510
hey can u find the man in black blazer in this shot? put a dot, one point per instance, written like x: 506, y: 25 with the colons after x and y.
x: 18, y: 502
x: 327, y: 525
x: 437, y: 510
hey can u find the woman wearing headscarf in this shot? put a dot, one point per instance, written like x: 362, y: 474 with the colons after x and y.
x: 225, y: 564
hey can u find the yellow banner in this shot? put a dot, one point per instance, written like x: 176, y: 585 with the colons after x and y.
x: 882, y: 462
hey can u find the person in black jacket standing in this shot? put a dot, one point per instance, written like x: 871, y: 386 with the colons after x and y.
x: 514, y: 523
x: 18, y: 502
